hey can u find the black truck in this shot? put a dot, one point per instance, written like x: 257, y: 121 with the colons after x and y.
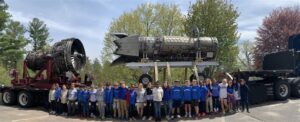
x: 279, y: 77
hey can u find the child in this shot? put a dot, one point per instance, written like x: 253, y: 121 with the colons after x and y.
x: 167, y: 101
x: 203, y: 95
x: 244, y: 95
x: 231, y: 99
x: 223, y: 95
x: 52, y: 99
x: 131, y: 100
x: 187, y: 97
x: 57, y: 96
x: 122, y: 97
x: 72, y: 100
x: 79, y: 100
x: 209, y: 102
x: 140, y: 92
x: 215, y: 95
x: 85, y: 102
x: 149, y: 102
x: 93, y: 101
x: 176, y: 97
x: 158, y: 94
x: 100, y: 100
x: 195, y: 96
x: 237, y: 95
x: 108, y: 99
x: 64, y: 100
x: 116, y: 106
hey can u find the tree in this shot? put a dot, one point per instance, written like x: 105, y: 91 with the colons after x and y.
x: 12, y: 44
x: 146, y: 20
x: 275, y: 30
x: 4, y: 15
x: 246, y: 56
x: 96, y: 69
x: 39, y: 34
x: 216, y: 18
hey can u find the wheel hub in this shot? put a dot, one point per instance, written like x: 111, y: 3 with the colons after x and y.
x: 23, y: 99
x: 6, y: 97
x: 283, y: 90
x: 145, y: 80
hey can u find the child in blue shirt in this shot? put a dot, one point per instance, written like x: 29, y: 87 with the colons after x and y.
x: 108, y: 99
x: 57, y: 96
x: 215, y: 95
x: 122, y: 97
x: 167, y: 101
x: 176, y: 97
x: 187, y: 97
x: 131, y: 100
x: 195, y: 96
x: 203, y: 95
x: 79, y: 99
x: 85, y: 102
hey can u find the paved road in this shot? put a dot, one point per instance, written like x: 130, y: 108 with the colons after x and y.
x: 276, y: 111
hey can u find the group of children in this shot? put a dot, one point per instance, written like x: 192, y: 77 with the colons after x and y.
x: 119, y: 101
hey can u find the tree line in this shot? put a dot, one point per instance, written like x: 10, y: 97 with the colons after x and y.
x: 14, y: 42
x: 213, y: 18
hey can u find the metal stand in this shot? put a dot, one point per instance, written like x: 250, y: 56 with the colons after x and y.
x: 195, y: 66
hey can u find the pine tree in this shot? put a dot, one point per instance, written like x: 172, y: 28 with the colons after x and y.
x: 12, y: 44
x: 39, y: 35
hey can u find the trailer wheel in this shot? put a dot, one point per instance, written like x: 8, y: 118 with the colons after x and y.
x: 202, y: 76
x: 9, y: 97
x: 25, y: 99
x: 282, y: 90
x: 145, y: 79
x: 296, y: 89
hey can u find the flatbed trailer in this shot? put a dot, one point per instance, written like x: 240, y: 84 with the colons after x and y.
x: 59, y: 65
x: 270, y: 84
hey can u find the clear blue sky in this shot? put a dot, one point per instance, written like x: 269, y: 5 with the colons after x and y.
x: 89, y: 20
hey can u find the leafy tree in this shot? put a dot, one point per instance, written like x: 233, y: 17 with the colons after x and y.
x: 275, y: 30
x: 12, y: 44
x: 246, y: 56
x: 96, y: 66
x: 216, y: 18
x: 39, y: 34
x: 145, y: 20
x: 4, y: 15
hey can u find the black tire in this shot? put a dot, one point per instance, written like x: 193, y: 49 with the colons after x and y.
x: 145, y: 79
x: 9, y: 97
x: 202, y: 76
x: 282, y: 90
x: 25, y: 99
x: 295, y: 87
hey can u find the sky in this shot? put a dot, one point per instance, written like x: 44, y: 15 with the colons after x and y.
x: 89, y: 20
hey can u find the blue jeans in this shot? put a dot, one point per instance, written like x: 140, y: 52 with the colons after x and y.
x: 131, y: 110
x: 157, y: 111
x: 109, y: 108
x: 168, y: 107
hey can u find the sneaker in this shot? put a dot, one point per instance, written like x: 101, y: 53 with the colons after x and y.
x: 172, y: 117
x: 133, y: 119
x: 130, y: 119
x: 144, y: 118
x: 248, y: 111
x: 186, y: 115
x: 167, y: 117
x: 178, y: 116
x: 190, y: 116
x: 150, y: 118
